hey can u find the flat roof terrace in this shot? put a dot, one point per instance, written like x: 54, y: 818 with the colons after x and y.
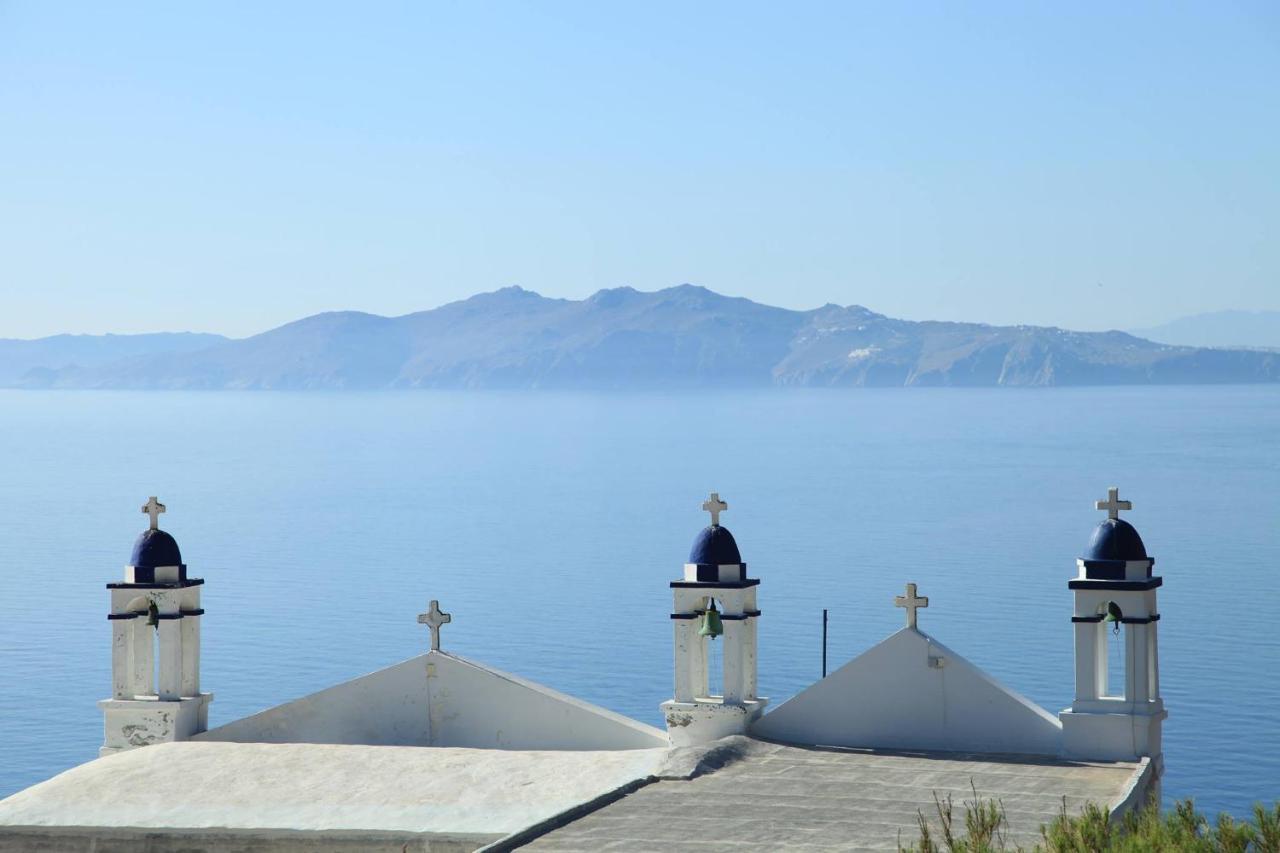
x: 774, y: 797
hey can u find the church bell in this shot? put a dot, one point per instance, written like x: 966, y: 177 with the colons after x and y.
x: 711, y: 624
x: 1114, y: 615
x: 153, y: 615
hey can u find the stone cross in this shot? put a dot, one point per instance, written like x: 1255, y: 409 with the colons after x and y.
x: 433, y: 619
x: 911, y: 602
x: 715, y: 506
x: 153, y: 508
x: 1113, y: 504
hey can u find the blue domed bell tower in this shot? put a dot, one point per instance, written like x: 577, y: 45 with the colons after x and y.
x: 714, y: 598
x: 155, y: 646
x: 1115, y: 604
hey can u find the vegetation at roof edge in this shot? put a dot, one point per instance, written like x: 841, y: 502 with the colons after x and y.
x: 984, y: 827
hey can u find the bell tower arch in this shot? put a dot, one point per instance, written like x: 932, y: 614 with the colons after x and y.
x: 714, y: 599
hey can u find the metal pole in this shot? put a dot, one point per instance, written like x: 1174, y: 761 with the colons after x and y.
x: 824, y: 642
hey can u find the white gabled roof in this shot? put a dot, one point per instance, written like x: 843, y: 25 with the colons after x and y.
x: 910, y: 692
x: 439, y: 699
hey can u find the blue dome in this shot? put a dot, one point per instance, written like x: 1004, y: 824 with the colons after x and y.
x: 715, y: 546
x: 155, y: 548
x: 1116, y: 539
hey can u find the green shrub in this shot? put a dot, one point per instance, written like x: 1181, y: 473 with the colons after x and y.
x: 1146, y: 830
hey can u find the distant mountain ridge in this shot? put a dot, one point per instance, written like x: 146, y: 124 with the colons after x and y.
x: 48, y: 356
x: 679, y: 337
x: 1231, y: 329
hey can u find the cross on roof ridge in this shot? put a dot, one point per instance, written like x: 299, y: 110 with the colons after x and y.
x: 911, y: 602
x: 715, y: 506
x: 153, y: 508
x: 433, y: 619
x: 1113, y: 504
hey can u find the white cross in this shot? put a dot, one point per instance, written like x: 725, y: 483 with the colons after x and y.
x: 153, y: 508
x: 715, y: 506
x: 911, y: 602
x: 433, y: 619
x: 1113, y: 504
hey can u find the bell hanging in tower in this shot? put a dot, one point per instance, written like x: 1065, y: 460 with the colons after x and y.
x: 1114, y: 615
x: 711, y: 624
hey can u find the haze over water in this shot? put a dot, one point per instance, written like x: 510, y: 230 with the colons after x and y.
x: 550, y: 524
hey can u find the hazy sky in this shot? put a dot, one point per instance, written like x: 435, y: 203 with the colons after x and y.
x: 231, y: 166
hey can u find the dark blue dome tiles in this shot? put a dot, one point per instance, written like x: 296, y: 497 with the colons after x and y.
x: 715, y: 546
x: 1115, y: 540
x: 155, y: 548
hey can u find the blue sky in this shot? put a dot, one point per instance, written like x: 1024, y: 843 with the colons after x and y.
x: 229, y: 167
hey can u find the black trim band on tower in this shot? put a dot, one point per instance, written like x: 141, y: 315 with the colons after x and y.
x: 732, y: 617
x: 743, y: 584
x: 1125, y: 620
x: 179, y: 615
x: 750, y: 614
x: 1150, y: 583
x: 162, y: 585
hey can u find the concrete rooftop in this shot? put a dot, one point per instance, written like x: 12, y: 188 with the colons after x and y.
x: 774, y: 797
x: 215, y: 796
x: 739, y: 793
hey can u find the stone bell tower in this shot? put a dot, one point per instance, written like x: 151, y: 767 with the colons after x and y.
x: 715, y: 595
x: 155, y: 647
x: 1115, y: 603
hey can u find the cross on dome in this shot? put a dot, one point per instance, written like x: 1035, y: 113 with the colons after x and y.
x: 715, y: 506
x: 433, y: 619
x: 911, y: 602
x: 153, y: 508
x: 1113, y: 504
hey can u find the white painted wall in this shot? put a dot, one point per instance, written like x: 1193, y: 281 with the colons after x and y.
x: 912, y: 692
x: 439, y: 699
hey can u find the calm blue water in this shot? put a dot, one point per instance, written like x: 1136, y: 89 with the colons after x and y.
x: 549, y: 525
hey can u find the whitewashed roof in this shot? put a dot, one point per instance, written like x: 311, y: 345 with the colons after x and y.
x: 323, y: 787
x: 440, y: 699
x: 912, y: 692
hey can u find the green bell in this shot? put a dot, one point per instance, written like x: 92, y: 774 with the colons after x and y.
x: 711, y: 625
x: 1114, y: 615
x: 153, y: 615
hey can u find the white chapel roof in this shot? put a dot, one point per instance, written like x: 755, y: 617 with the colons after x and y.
x: 441, y: 699
x: 324, y: 787
x: 911, y: 692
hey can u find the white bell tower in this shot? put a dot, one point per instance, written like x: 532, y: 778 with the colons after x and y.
x: 155, y: 647
x: 714, y: 594
x: 1115, y: 603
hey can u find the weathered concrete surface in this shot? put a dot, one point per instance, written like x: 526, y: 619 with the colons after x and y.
x: 217, y: 841
x: 268, y: 788
x: 773, y: 797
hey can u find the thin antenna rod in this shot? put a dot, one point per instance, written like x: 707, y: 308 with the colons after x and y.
x: 824, y: 642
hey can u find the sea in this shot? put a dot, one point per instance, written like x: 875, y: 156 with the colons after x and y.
x: 549, y: 525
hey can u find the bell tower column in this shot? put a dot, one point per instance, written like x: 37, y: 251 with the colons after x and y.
x: 714, y: 598
x: 155, y: 619
x: 1115, y: 603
